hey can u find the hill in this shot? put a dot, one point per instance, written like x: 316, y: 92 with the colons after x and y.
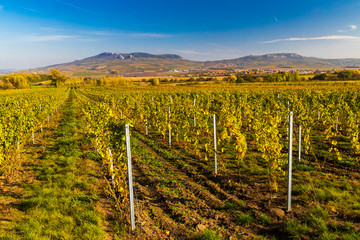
x: 145, y: 64
x: 140, y: 64
x: 283, y: 60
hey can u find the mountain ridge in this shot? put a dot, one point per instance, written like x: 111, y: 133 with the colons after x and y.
x: 140, y: 62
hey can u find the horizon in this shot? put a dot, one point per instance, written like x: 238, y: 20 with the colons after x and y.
x: 41, y: 34
x: 255, y: 55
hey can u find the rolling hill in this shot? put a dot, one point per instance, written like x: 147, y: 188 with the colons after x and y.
x: 284, y: 60
x: 145, y: 64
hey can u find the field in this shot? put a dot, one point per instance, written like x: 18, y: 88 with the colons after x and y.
x: 63, y: 162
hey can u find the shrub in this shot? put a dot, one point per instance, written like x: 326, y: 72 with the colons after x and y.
x: 155, y: 81
x: 244, y: 220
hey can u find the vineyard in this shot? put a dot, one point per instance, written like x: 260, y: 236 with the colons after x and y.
x: 207, y: 163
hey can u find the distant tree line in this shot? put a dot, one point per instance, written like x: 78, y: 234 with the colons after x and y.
x: 278, y: 77
x: 21, y: 80
x: 111, y: 81
x: 338, y: 75
x: 56, y: 79
x: 295, y: 76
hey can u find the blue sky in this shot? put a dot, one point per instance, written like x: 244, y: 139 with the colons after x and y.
x: 44, y: 32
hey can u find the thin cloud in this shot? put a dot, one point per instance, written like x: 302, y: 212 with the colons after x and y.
x: 276, y: 20
x: 77, y: 7
x: 145, y: 35
x: 189, y: 52
x: 350, y: 28
x: 334, y: 37
x: 353, y: 27
x: 52, y: 29
x: 31, y: 10
x: 98, y: 33
x: 1, y: 7
x: 47, y: 38
x: 131, y: 34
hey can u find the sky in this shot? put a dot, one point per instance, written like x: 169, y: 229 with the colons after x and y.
x: 38, y: 33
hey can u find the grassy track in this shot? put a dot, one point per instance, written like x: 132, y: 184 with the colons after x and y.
x: 63, y: 200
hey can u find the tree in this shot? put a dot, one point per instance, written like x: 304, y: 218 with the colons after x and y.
x: 18, y: 80
x: 248, y: 78
x: 155, y: 81
x: 260, y: 79
x: 321, y: 76
x: 239, y: 79
x: 345, y: 75
x: 279, y: 78
x: 296, y: 76
x: 56, y: 78
x: 231, y: 79
x: 271, y: 78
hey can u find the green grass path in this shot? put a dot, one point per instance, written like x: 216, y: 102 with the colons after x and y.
x: 63, y: 200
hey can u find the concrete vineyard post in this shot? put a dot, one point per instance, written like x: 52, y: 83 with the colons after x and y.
x: 290, y: 161
x: 111, y: 168
x: 41, y: 128
x: 299, y: 143
x: 169, y: 129
x: 33, y: 137
x: 215, y: 147
x: 146, y: 125
x: 337, y: 123
x: 48, y: 119
x: 131, y: 189
x: 194, y: 113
